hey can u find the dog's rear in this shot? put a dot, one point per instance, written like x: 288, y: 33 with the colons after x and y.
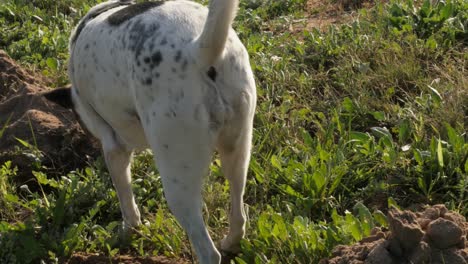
x: 168, y: 76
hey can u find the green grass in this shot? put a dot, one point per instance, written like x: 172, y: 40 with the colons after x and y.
x: 349, y: 121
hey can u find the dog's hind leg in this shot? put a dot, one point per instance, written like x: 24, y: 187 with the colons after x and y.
x: 235, y: 161
x: 183, y: 152
x: 118, y: 162
x: 117, y: 159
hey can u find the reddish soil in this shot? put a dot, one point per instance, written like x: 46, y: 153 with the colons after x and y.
x: 321, y: 14
x: 435, y: 235
x: 26, y: 115
x: 84, y: 258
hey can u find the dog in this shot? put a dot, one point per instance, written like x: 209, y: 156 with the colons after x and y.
x: 172, y: 76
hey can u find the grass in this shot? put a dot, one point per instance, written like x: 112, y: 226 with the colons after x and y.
x: 350, y: 120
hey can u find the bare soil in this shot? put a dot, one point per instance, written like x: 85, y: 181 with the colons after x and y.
x: 321, y: 14
x: 435, y: 235
x: 84, y: 258
x: 26, y: 115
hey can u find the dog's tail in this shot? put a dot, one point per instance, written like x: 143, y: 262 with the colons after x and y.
x: 211, y: 42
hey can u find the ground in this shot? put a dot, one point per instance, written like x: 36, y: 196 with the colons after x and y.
x: 433, y: 232
x: 26, y: 115
x: 83, y: 258
x: 434, y: 235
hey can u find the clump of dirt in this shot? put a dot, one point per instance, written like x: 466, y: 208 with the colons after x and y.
x: 435, y: 235
x: 26, y: 115
x: 84, y: 258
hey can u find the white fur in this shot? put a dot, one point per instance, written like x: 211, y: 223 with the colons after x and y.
x: 144, y: 83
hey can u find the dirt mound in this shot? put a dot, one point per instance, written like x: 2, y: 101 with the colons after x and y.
x: 84, y: 258
x: 435, y: 235
x: 26, y: 115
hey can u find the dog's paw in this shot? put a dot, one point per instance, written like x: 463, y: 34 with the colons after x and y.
x: 230, y: 247
x: 226, y: 257
x: 125, y: 235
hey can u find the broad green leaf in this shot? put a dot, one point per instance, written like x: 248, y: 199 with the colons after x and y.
x: 382, y: 132
x: 258, y: 170
x: 447, y: 10
x: 319, y: 180
x: 348, y: 105
x: 393, y: 203
x: 354, y: 227
x: 359, y: 136
x: 365, y: 217
x: 466, y: 166
x: 380, y: 218
x: 404, y: 131
x: 379, y: 116
x: 52, y: 63
x: 276, y: 162
x: 308, y: 141
x: 455, y: 140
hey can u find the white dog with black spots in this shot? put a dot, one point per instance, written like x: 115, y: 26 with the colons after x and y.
x: 172, y: 76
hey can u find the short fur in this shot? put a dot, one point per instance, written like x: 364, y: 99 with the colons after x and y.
x: 173, y: 77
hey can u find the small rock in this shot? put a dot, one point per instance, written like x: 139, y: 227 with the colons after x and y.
x: 448, y: 256
x: 379, y: 255
x: 444, y: 233
x: 442, y: 209
x: 431, y: 213
x: 405, y: 228
x: 456, y: 218
x: 395, y: 248
x: 421, y: 254
x: 373, y: 238
x: 424, y: 222
x: 375, y: 230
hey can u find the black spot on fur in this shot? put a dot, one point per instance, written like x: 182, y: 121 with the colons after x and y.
x: 163, y: 42
x: 148, y: 81
x: 178, y: 56
x: 147, y: 59
x: 86, y: 46
x: 140, y: 33
x: 166, y: 146
x: 60, y: 96
x: 212, y: 73
x: 127, y: 13
x: 156, y: 58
